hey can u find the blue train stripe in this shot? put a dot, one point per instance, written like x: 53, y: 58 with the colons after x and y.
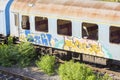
x: 7, y: 16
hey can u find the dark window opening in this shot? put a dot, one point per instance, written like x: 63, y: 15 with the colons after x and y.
x: 64, y: 27
x: 114, y: 34
x: 90, y: 31
x: 41, y: 24
x: 25, y: 22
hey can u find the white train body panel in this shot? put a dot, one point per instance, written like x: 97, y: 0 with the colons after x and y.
x: 3, y: 4
x: 2, y: 23
x: 13, y: 28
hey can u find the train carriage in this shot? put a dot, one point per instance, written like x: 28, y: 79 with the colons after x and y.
x: 91, y: 28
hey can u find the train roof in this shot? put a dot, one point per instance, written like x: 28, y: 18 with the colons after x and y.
x: 88, y: 10
x: 3, y: 4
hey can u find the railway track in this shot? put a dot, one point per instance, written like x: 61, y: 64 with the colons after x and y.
x: 115, y: 75
x: 5, y: 75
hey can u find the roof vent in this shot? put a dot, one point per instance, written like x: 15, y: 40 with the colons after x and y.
x: 30, y: 4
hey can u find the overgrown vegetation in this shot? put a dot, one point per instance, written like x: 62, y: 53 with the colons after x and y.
x: 106, y: 77
x: 77, y: 71
x: 46, y: 63
x: 26, y: 54
x: 112, y: 0
x: 20, y: 54
x: 8, y: 55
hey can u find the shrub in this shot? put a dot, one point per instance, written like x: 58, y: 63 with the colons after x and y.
x: 10, y: 40
x: 106, y: 77
x: 75, y: 71
x: 8, y: 55
x: 46, y: 63
x: 92, y: 77
x: 21, y: 54
x: 27, y: 54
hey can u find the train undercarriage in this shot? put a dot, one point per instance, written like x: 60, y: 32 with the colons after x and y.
x: 63, y: 55
x: 68, y: 55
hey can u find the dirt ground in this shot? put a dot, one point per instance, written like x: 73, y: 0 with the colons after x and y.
x: 31, y: 72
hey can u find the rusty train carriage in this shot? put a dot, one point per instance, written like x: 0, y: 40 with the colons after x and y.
x: 88, y: 27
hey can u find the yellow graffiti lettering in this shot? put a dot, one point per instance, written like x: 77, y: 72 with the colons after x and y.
x: 82, y: 46
x: 96, y: 48
x: 69, y: 45
x: 23, y: 38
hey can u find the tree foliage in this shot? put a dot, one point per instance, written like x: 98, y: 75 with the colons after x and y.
x: 112, y: 0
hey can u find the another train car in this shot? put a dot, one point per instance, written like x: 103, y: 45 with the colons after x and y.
x: 89, y: 30
x: 4, y: 18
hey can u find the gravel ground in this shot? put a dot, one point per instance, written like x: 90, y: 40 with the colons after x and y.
x: 31, y: 72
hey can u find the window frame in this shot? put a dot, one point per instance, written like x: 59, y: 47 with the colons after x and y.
x: 26, y: 22
x: 70, y: 28
x: 47, y: 30
x: 113, y: 34
x: 88, y: 31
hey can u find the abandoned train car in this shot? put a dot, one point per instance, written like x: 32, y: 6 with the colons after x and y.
x: 89, y: 30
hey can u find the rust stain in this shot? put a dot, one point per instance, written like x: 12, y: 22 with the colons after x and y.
x: 106, y: 12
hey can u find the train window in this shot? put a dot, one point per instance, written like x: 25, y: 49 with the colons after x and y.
x: 41, y: 24
x: 25, y: 22
x: 90, y: 31
x: 115, y: 34
x: 64, y: 27
x: 16, y: 19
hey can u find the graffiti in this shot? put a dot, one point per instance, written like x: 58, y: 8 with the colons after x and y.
x: 24, y: 35
x: 43, y: 39
x: 23, y: 38
x: 68, y: 43
x: 83, y: 46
